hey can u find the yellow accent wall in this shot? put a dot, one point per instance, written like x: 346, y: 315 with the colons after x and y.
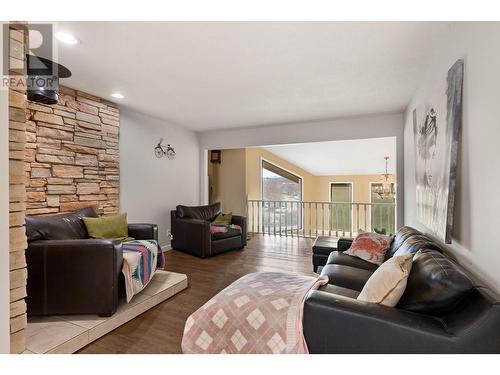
x: 254, y: 156
x: 238, y: 178
x: 227, y: 181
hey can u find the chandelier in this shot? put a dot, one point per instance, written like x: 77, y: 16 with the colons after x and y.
x: 385, y: 189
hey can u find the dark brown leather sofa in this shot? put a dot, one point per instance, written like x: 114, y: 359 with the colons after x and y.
x: 68, y: 273
x: 444, y: 309
x: 191, y: 231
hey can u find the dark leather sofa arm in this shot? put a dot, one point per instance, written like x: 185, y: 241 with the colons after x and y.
x: 242, y: 222
x: 344, y: 244
x: 143, y: 231
x: 338, y: 324
x: 192, y: 236
x: 74, y: 276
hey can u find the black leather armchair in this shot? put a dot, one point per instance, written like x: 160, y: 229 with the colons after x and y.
x: 191, y: 231
x: 68, y: 273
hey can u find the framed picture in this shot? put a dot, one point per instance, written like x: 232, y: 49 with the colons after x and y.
x: 437, y: 134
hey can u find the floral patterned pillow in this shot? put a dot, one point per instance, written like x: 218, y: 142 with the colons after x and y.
x: 370, y: 247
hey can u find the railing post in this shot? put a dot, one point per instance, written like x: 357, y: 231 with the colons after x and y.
x: 329, y: 219
x: 280, y: 218
x: 366, y: 222
x: 343, y: 224
x: 286, y: 219
x: 298, y: 219
x: 310, y: 220
x: 323, y: 219
x: 316, y: 221
x: 274, y: 218
x: 336, y: 220
x: 357, y: 217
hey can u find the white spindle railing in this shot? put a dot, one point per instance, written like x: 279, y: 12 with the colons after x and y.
x: 311, y: 219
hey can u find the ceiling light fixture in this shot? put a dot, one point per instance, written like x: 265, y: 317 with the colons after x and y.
x: 66, y: 38
x: 117, y: 95
x: 385, y: 189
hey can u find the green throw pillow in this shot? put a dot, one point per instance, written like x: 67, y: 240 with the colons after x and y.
x: 110, y: 227
x: 223, y: 219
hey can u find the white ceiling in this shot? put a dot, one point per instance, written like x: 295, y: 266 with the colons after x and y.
x: 361, y: 156
x: 213, y: 75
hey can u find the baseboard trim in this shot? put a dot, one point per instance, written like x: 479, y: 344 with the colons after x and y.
x: 166, y: 248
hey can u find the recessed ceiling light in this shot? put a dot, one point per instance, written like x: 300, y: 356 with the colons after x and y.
x: 117, y: 95
x: 66, y: 38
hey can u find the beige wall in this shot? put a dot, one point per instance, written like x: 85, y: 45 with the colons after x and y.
x: 315, y: 188
x: 254, y: 156
x: 360, y: 184
x: 238, y: 178
x: 228, y: 181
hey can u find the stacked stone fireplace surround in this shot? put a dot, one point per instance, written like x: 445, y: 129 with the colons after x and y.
x: 71, y: 157
x: 62, y: 157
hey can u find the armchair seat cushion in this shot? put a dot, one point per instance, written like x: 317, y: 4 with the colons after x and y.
x: 227, y: 232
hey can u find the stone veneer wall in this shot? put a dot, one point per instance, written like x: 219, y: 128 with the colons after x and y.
x: 71, y: 157
x: 17, y: 190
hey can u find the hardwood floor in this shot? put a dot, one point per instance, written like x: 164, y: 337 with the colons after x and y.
x: 159, y: 330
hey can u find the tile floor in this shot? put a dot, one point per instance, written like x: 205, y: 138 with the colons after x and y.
x: 69, y: 333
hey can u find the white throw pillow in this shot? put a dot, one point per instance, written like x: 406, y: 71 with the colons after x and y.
x: 388, y: 283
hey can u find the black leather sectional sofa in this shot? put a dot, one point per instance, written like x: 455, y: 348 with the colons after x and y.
x: 443, y: 309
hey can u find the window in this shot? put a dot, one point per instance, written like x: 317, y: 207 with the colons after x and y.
x: 383, y: 213
x: 280, y: 190
x: 341, y: 214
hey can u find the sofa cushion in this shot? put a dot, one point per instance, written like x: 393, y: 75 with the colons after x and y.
x: 230, y: 232
x: 108, y: 227
x: 338, y: 257
x: 415, y: 243
x: 370, y: 247
x: 345, y: 276
x: 401, y: 236
x: 388, y: 282
x: 223, y: 219
x: 436, y: 284
x: 67, y: 226
x: 208, y: 213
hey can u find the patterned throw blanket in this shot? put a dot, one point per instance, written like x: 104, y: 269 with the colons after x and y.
x: 141, y: 258
x: 259, y: 313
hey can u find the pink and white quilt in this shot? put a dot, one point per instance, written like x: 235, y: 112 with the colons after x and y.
x: 260, y: 313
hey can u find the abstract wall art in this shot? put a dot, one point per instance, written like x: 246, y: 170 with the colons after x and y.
x: 437, y: 134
